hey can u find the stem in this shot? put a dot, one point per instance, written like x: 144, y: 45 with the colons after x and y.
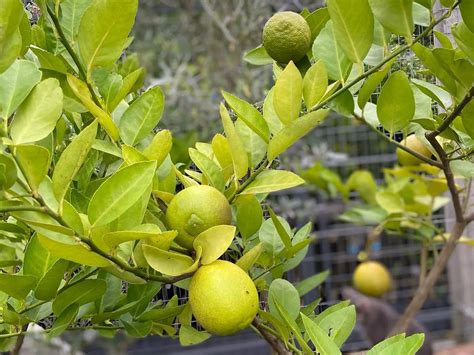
x: 277, y: 345
x: 251, y: 178
x: 423, y: 263
x: 21, y: 208
x: 19, y: 341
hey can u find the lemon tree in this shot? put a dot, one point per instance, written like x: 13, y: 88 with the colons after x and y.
x: 91, y: 198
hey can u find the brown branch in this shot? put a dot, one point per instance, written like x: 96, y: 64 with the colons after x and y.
x: 19, y: 341
x: 277, y: 345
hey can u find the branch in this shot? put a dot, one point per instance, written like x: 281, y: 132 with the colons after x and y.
x: 251, y: 178
x: 22, y: 208
x: 277, y: 345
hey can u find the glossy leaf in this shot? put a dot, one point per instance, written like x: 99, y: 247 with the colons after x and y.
x: 464, y: 38
x: 396, y: 103
x: 385, y: 343
x: 80, y: 293
x: 16, y: 83
x: 34, y: 162
x: 167, y: 262
x: 409, y: 346
x: 119, y: 192
x: 63, y: 321
x: 48, y: 285
x: 37, y: 259
x: 159, y: 147
x: 270, y: 115
x: 339, y: 324
x: 72, y: 159
x: 190, y: 336
x: 17, y: 286
x: 247, y: 260
x: 214, y: 242
x: 310, y: 283
x: 112, y: 239
x: 249, y: 215
x: 370, y: 84
x: 254, y: 145
x: 286, y: 295
x: 294, y: 131
x: 273, y: 180
x: 138, y: 329
x: 316, y: 21
x: 258, y: 56
x: 320, y: 339
x: 37, y: 115
x: 315, y: 84
x: 467, y: 9
x: 209, y: 168
x: 71, y: 15
x: 287, y: 94
x: 10, y: 36
x: 395, y: 15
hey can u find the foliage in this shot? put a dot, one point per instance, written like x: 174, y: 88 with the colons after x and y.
x: 86, y: 177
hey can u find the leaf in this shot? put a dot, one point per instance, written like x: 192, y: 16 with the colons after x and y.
x: 142, y: 116
x: 103, y: 31
x: 48, y: 285
x: 269, y: 113
x: 287, y: 94
x: 249, y: 215
x: 222, y: 152
x: 258, y: 56
x: 293, y: 132
x: 254, y: 145
x: 209, y: 168
x: 81, y: 293
x: 190, y: 336
x: 159, y: 147
x: 286, y: 295
x: 249, y: 114
x: 421, y: 15
x: 467, y: 116
x: 214, y: 242
x: 396, y: 103
x: 390, y: 201
x: 283, y: 234
x: 247, y: 260
x: 10, y: 36
x: 408, y: 346
x: 339, y: 324
x: 462, y: 167
x: 353, y: 26
x: 435, y: 92
x: 464, y: 39
x: 467, y: 9
x: 72, y: 159
x: 71, y: 14
x: 316, y: 21
x: 370, y: 84
x: 15, y: 85
x: 395, y: 15
x: 34, y: 162
x: 17, y: 286
x: 322, y: 342
x: 119, y: 192
x: 315, y: 84
x: 8, y: 173
x: 37, y: 259
x: 385, y: 343
x: 310, y: 283
x: 364, y: 183
x: 273, y: 180
x: 327, y: 49
x: 73, y: 251
x: 144, y: 231
x: 37, y: 115
x: 167, y: 262
x: 239, y: 156
x: 138, y: 329
x: 63, y: 321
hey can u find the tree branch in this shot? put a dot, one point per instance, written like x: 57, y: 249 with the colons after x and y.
x: 277, y: 345
x: 22, y: 208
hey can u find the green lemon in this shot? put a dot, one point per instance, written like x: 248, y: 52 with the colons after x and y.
x: 196, y: 209
x: 223, y: 298
x: 287, y: 36
x: 372, y: 278
x: 412, y: 142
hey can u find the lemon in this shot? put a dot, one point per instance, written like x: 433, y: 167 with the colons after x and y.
x: 223, y: 298
x: 196, y: 209
x: 287, y: 36
x: 372, y: 278
x: 412, y: 142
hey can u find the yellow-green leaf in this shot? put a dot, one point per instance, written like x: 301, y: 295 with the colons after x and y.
x: 214, y: 242
x: 287, y: 94
x: 315, y: 83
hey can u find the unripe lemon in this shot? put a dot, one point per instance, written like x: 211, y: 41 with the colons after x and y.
x: 223, y: 298
x: 196, y: 209
x: 287, y: 36
x: 412, y: 142
x: 372, y: 278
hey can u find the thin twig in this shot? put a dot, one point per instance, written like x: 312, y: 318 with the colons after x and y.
x: 277, y: 345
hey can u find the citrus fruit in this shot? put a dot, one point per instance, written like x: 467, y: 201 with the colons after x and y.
x: 372, y: 278
x: 223, y: 298
x: 287, y: 36
x: 412, y: 142
x: 196, y: 209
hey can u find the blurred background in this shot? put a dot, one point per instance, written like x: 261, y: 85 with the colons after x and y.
x: 193, y: 49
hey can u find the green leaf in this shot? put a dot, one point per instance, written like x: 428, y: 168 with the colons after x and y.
x: 37, y: 259
x: 214, y: 242
x: 286, y: 295
x: 409, y: 346
x: 339, y: 324
x: 396, y: 103
x: 467, y: 9
x: 190, y: 336
x: 129, y: 82
x: 142, y: 116
x: 421, y: 15
x: 385, y: 343
x: 462, y: 167
x: 167, y: 262
x: 73, y: 251
x: 249, y: 215
x: 327, y: 49
x: 36, y: 117
x: 395, y: 15
x: 159, y: 147
x: 63, y: 321
x: 287, y: 94
x: 237, y: 149
x: 162, y: 313
x: 310, y: 283
x: 9, y: 174
x: 48, y: 285
x: 17, y: 286
x: 364, y: 183
x: 315, y: 84
x: 320, y: 339
x: 223, y: 154
x: 10, y: 36
x: 390, y: 201
x: 270, y: 239
x: 144, y: 231
x: 273, y: 180
x: 249, y: 114
x: 103, y: 31
x: 138, y: 329
x: 247, y: 260
x: 353, y: 26
x: 34, y: 162
x: 81, y: 293
x: 464, y: 38
x: 435, y: 92
x: 209, y: 168
x: 258, y: 56
x: 284, y: 235
x: 467, y: 116
x: 316, y: 21
x: 71, y: 14
x: 254, y: 145
x: 16, y: 83
x: 371, y: 83
x: 72, y: 159
x: 269, y: 113
x: 119, y: 192
x: 294, y: 131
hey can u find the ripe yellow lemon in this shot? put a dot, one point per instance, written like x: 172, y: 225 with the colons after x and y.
x: 223, y: 298
x: 412, y: 142
x: 372, y: 278
x: 196, y: 209
x: 287, y: 36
